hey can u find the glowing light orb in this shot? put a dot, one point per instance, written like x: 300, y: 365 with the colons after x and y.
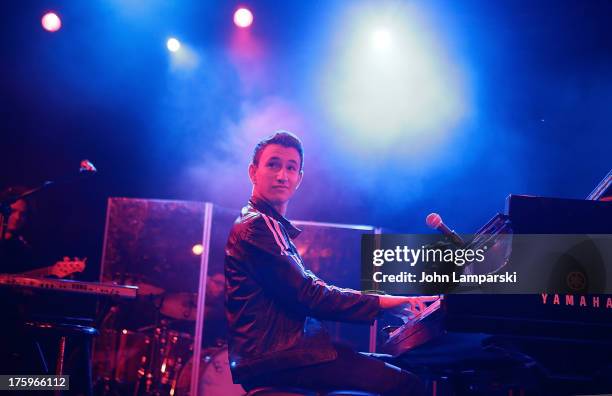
x: 243, y: 18
x: 393, y: 83
x: 173, y: 44
x: 51, y: 22
x: 197, y: 249
x: 381, y: 39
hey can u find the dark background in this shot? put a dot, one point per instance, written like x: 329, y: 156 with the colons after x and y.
x: 104, y: 88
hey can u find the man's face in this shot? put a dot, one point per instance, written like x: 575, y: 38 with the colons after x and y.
x: 277, y: 175
x: 18, y: 216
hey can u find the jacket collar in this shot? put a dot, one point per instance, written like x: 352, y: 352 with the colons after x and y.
x: 262, y: 206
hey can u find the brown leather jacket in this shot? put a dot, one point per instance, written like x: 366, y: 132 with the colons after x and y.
x: 272, y: 300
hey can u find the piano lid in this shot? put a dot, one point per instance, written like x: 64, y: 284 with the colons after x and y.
x: 540, y: 215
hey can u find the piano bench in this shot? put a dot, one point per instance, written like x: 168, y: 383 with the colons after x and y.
x: 61, y: 330
x: 284, y: 391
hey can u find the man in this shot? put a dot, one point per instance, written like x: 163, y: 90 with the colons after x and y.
x: 273, y: 302
x: 15, y: 252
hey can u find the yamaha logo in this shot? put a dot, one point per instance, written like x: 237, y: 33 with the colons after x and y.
x: 579, y: 301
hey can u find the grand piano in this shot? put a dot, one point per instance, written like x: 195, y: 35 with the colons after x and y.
x: 543, y: 344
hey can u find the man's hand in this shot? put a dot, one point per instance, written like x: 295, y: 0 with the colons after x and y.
x: 405, y: 306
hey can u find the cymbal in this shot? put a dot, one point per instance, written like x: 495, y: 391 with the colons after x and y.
x: 146, y: 289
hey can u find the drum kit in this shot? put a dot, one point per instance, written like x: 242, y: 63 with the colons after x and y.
x: 156, y: 359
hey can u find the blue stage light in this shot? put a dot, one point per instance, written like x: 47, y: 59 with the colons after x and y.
x: 173, y: 44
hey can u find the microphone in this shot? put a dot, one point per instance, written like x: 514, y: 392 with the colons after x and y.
x: 87, y: 166
x: 435, y: 221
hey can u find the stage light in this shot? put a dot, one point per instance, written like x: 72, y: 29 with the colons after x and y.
x: 381, y: 39
x: 173, y: 44
x: 243, y: 17
x: 197, y: 249
x: 392, y: 82
x: 51, y: 22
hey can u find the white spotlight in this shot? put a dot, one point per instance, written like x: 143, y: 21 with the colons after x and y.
x: 243, y: 17
x: 381, y: 39
x: 51, y: 22
x: 173, y: 44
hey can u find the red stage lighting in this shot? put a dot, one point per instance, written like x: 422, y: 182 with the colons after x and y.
x: 51, y: 22
x: 243, y: 17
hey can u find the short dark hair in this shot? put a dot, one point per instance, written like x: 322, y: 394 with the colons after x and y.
x: 283, y: 138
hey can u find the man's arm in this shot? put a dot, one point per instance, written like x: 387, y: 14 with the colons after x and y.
x: 283, y: 276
